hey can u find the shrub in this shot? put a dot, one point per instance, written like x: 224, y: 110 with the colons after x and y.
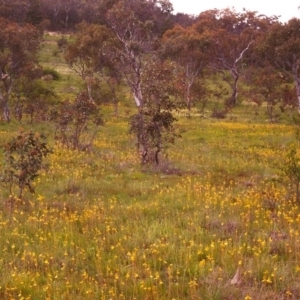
x: 153, y: 125
x: 218, y: 114
x: 291, y: 171
x: 50, y: 71
x: 77, y: 123
x: 62, y: 42
x: 23, y: 160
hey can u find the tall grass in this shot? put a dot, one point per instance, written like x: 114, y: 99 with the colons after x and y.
x: 102, y: 227
x: 212, y: 222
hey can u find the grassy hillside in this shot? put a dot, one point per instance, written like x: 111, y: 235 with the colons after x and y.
x: 213, y: 222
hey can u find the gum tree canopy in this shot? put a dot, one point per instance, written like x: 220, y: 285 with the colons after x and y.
x: 281, y: 48
x: 18, y: 57
x: 135, y: 25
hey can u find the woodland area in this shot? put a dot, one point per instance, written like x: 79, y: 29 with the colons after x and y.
x: 147, y: 154
x: 167, y: 61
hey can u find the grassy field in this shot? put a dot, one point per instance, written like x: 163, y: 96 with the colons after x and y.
x: 215, y: 221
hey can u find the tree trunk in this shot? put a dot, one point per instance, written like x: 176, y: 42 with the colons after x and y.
x: 5, y: 107
x: 295, y: 67
x: 88, y: 81
x: 67, y: 11
x: 142, y: 139
x: 270, y: 111
x: 115, y: 101
x: 233, y: 97
x: 112, y: 85
x: 234, y: 91
x: 137, y: 94
x: 6, y: 112
x: 4, y: 97
x: 66, y: 21
x: 18, y: 110
x: 188, y: 95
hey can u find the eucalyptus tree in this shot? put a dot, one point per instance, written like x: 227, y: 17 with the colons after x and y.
x: 89, y: 52
x: 231, y: 36
x: 281, y: 48
x: 18, y: 57
x: 188, y: 49
x: 134, y: 25
x: 15, y: 11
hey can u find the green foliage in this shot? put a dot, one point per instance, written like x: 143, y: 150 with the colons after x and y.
x: 23, y: 160
x: 18, y: 57
x: 290, y: 166
x: 50, y: 71
x: 153, y: 125
x: 34, y: 14
x: 77, y: 123
x: 153, y: 129
x: 32, y: 97
x: 291, y: 171
x: 62, y: 42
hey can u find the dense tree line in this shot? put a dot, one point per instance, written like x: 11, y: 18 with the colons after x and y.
x: 165, y: 60
x: 66, y: 14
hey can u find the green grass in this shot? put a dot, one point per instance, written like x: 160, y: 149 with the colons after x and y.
x: 100, y: 226
x: 52, y: 56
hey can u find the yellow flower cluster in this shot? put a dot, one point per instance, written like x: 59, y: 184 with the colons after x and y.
x: 101, y: 227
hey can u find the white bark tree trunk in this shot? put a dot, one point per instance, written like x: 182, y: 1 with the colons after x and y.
x: 89, y: 83
x: 137, y: 94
